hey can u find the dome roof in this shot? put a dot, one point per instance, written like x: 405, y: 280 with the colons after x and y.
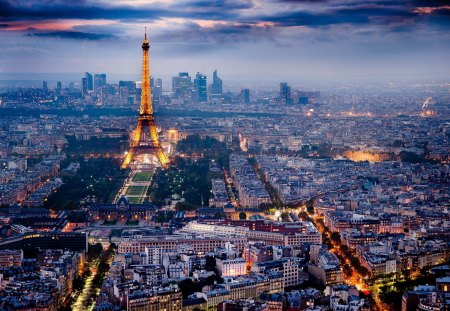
x: 122, y: 200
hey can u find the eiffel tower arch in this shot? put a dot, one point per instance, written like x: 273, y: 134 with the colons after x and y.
x: 146, y: 121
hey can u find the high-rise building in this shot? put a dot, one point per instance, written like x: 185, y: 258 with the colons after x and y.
x: 216, y: 86
x: 245, y: 96
x: 44, y: 85
x: 176, y: 86
x: 130, y: 85
x: 181, y: 85
x: 157, y: 90
x: 58, y: 86
x: 84, y: 86
x: 200, y: 88
x: 99, y: 81
x: 90, y: 81
x: 158, y: 82
x: 285, y: 93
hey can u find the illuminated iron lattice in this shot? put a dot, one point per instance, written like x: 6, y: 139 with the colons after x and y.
x: 146, y: 119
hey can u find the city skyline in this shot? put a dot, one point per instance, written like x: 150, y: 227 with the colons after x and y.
x: 241, y: 39
x: 224, y: 155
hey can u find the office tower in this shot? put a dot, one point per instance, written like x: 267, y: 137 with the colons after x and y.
x: 157, y: 90
x: 285, y: 93
x: 185, y: 83
x: 176, y: 86
x: 58, y: 86
x: 146, y: 120
x: 90, y: 81
x: 44, y: 85
x: 99, y: 81
x: 200, y: 88
x: 126, y: 87
x: 181, y: 85
x: 130, y: 85
x: 71, y: 86
x: 84, y: 86
x: 245, y: 96
x: 152, y: 81
x: 158, y: 82
x: 216, y: 86
x: 303, y: 100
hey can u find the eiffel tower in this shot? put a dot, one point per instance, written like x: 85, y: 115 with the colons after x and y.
x: 145, y: 120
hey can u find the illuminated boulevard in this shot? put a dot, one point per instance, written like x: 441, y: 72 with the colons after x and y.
x: 82, y: 300
x: 98, y: 269
x: 351, y: 275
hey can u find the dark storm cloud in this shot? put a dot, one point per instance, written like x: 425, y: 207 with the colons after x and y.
x: 218, y: 34
x: 218, y: 4
x: 41, y: 10
x: 78, y: 35
x: 338, y: 13
x: 326, y: 12
x: 237, y: 26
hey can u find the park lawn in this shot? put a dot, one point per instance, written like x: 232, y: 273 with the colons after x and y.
x: 136, y: 191
x: 142, y: 176
x: 135, y: 200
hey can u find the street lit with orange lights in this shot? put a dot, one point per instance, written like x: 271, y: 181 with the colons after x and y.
x: 351, y: 275
x: 82, y: 301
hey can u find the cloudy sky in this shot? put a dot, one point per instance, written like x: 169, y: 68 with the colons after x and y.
x: 243, y: 39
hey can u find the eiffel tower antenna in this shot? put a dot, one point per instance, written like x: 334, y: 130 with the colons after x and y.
x: 145, y: 120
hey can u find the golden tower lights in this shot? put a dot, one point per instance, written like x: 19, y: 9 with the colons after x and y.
x: 145, y: 118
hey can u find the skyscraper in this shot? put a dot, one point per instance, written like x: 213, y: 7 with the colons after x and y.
x: 200, y: 88
x: 44, y: 85
x: 158, y: 82
x: 157, y: 90
x: 58, y: 86
x: 89, y: 81
x: 285, y: 93
x: 130, y: 85
x: 216, y: 86
x: 245, y: 96
x: 176, y: 86
x: 84, y: 86
x: 181, y: 85
x: 99, y: 81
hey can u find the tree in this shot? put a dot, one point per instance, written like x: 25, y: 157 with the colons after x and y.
x: 310, y: 206
x: 355, y: 263
x: 336, y: 237
x: 94, y: 251
x: 242, y: 216
x: 210, y: 264
x: 343, y: 248
x: 161, y: 217
x: 219, y: 215
x: 304, y: 216
x: 182, y: 206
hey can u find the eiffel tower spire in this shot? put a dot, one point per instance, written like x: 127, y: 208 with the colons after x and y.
x: 146, y: 118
